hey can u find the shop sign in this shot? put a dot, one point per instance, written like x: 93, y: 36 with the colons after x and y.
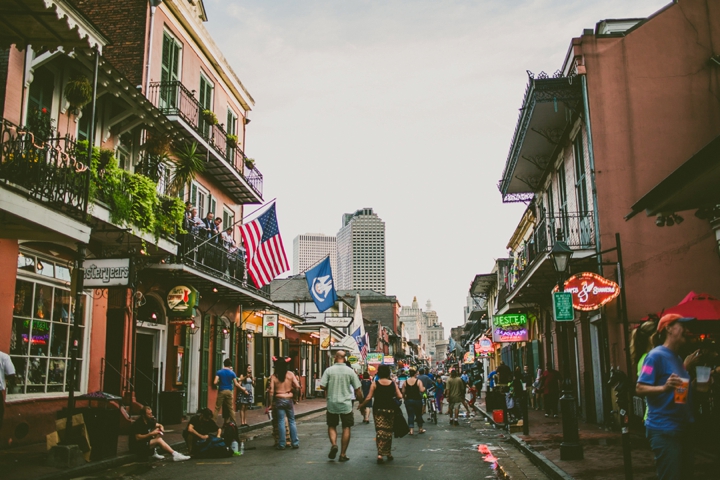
x: 469, y: 358
x: 388, y: 360
x: 374, y: 358
x: 352, y: 359
x: 111, y: 272
x: 325, y: 339
x: 590, y: 291
x: 270, y: 325
x: 484, y: 346
x: 337, y: 322
x: 563, y: 307
x: 181, y: 302
x: 510, y: 327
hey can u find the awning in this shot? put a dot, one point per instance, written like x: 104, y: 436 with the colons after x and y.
x: 482, y: 283
x: 693, y: 185
x: 46, y: 23
x: 546, y: 116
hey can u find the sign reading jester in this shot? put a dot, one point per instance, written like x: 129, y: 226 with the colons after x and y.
x: 510, y: 327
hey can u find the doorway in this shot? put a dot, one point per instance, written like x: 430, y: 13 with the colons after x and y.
x: 112, y: 379
x: 146, y: 378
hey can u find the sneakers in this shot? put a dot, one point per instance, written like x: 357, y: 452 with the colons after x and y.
x: 547, y: 415
x: 179, y: 457
x: 555, y: 416
x: 157, y: 456
x: 456, y: 423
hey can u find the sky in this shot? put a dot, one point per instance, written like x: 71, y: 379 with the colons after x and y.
x: 405, y: 106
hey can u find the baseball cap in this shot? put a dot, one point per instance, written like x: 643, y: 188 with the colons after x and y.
x: 670, y: 318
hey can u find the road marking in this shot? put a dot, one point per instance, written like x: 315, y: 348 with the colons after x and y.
x: 214, y: 463
x: 420, y: 468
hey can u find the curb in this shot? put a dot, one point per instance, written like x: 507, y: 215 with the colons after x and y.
x: 120, y: 460
x: 538, y: 459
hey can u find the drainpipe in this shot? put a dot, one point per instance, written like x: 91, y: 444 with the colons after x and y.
x: 153, y: 5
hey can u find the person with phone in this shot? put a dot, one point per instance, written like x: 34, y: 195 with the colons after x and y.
x: 146, y: 436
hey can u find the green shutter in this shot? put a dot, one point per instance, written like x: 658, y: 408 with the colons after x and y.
x: 205, y: 362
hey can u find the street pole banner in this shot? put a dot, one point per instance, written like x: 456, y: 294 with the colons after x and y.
x: 321, y: 285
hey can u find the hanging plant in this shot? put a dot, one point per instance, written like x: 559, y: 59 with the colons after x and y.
x: 157, y: 145
x: 250, y: 163
x: 78, y: 92
x: 232, y: 140
x: 209, y: 117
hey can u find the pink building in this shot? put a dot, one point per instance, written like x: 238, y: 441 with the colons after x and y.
x: 634, y: 99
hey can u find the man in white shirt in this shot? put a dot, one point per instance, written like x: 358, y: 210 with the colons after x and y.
x: 7, y: 373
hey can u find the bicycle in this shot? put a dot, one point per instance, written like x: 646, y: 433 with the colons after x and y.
x: 431, y: 405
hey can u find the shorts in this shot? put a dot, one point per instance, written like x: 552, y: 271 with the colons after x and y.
x: 333, y: 419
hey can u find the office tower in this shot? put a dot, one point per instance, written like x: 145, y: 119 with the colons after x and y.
x: 310, y: 248
x: 361, y: 252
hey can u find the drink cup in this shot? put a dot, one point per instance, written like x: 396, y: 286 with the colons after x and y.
x: 681, y: 392
x: 703, y: 378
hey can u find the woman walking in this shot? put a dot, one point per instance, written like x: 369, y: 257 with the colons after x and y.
x: 439, y: 393
x: 282, y: 385
x: 366, y: 383
x: 383, y: 393
x: 245, y: 395
x: 413, y: 394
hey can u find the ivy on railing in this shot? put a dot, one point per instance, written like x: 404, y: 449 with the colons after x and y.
x: 131, y: 197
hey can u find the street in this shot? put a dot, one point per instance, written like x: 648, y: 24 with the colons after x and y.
x: 443, y: 452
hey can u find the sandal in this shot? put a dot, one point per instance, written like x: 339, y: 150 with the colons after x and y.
x: 422, y: 430
x: 380, y: 460
x: 390, y: 458
x: 343, y: 458
x: 333, y: 452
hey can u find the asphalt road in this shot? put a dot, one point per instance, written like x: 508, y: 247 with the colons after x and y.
x: 443, y: 452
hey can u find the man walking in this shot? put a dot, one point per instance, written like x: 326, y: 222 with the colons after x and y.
x: 665, y: 382
x: 455, y: 392
x: 7, y: 374
x: 225, y: 379
x: 339, y: 381
x: 550, y: 384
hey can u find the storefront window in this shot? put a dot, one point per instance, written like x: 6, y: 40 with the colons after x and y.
x: 41, y: 328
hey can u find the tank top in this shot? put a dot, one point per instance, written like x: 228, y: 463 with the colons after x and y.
x: 412, y: 391
x: 384, y: 396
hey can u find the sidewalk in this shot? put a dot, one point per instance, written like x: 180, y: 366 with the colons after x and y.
x: 28, y: 461
x: 603, y: 457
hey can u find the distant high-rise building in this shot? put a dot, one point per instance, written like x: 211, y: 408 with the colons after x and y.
x: 310, y: 248
x: 361, y: 252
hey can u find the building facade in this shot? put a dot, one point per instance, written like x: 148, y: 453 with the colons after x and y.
x: 310, y: 248
x: 361, y: 252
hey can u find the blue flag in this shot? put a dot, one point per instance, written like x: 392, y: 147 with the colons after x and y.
x: 320, y: 283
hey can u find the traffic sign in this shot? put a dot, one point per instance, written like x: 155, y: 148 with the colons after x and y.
x: 563, y: 307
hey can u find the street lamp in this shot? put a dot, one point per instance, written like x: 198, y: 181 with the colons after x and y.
x: 570, y: 448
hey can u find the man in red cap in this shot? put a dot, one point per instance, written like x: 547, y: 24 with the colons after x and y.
x: 666, y: 384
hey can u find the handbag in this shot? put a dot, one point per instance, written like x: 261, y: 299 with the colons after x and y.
x: 400, y: 426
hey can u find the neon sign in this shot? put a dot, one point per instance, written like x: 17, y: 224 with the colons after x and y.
x: 511, y: 327
x: 590, y: 291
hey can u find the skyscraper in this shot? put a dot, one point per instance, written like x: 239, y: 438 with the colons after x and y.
x: 310, y: 248
x: 361, y: 252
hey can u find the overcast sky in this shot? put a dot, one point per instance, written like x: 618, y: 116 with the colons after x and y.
x: 405, y: 106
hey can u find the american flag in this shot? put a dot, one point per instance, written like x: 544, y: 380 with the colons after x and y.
x: 266, y: 257
x: 363, y: 344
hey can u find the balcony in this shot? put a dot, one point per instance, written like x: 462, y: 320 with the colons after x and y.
x: 226, y: 164
x: 44, y: 170
x: 576, y: 229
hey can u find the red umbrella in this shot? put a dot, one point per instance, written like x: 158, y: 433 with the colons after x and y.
x: 701, y: 306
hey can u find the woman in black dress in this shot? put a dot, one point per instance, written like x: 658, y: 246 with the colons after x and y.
x: 383, y: 392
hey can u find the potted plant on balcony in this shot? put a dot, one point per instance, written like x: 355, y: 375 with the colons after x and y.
x: 232, y: 140
x: 188, y: 163
x: 209, y: 117
x: 157, y: 145
x: 249, y: 163
x: 78, y: 92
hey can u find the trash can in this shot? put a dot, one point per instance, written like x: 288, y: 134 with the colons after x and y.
x: 494, y: 401
x: 103, y: 429
x: 171, y: 407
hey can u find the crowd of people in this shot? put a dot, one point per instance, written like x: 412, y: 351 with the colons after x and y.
x: 209, y: 228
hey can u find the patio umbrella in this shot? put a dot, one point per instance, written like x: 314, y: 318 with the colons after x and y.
x: 702, y: 306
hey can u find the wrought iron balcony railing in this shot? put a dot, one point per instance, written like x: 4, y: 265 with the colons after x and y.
x: 215, y: 259
x: 46, y: 169
x: 575, y: 229
x: 174, y: 99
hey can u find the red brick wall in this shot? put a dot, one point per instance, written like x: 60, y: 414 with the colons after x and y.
x: 125, y: 25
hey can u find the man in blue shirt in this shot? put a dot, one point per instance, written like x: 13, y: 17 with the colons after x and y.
x: 665, y: 382
x: 225, y: 379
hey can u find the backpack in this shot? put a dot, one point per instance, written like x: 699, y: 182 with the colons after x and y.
x: 213, y: 447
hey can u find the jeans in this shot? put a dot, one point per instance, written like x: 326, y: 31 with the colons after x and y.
x: 284, y: 407
x: 673, y: 454
x: 414, y: 409
x: 551, y: 403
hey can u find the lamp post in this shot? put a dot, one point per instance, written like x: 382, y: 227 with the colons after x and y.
x: 570, y: 448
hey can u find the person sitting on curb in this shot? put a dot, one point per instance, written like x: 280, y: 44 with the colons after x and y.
x: 146, y: 435
x: 202, y: 432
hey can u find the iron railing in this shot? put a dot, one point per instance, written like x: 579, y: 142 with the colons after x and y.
x: 575, y: 229
x: 174, y: 99
x: 46, y: 170
x: 215, y: 259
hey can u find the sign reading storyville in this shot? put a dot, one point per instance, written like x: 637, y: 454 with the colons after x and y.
x: 563, y: 307
x: 590, y: 291
x: 112, y: 272
x: 511, y: 327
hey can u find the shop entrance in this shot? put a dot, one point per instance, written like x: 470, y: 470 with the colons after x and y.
x: 146, y: 375
x: 113, y: 367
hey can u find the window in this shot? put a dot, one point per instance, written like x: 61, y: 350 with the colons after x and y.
x: 563, y: 208
x: 228, y: 218
x: 206, y: 98
x: 231, y: 130
x: 41, y: 327
x: 580, y: 176
x: 201, y: 199
x: 170, y: 71
x: 41, y: 90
